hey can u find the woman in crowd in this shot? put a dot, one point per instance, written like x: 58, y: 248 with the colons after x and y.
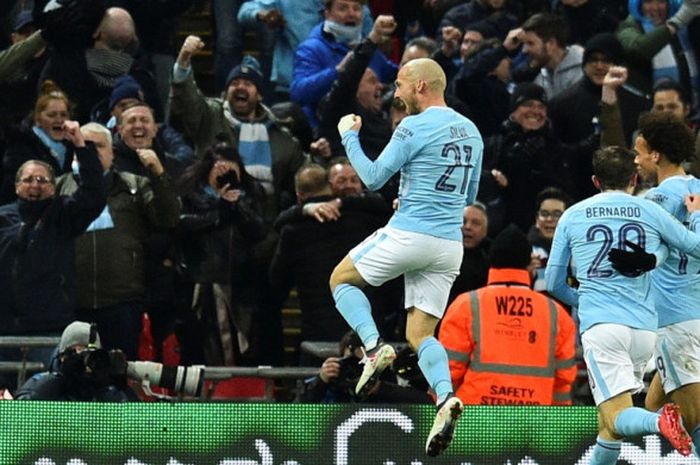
x: 221, y: 220
x: 40, y: 138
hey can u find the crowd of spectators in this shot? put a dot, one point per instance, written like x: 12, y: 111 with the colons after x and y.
x: 212, y: 206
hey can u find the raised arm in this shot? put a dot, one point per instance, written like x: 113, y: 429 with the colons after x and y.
x: 373, y: 173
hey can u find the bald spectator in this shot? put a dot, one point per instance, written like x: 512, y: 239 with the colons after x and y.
x: 346, y: 191
x: 308, y: 251
x: 474, y: 271
x: 343, y: 178
x: 88, y: 74
x: 156, y: 24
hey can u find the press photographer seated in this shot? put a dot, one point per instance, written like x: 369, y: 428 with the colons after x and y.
x: 81, y: 371
x: 338, y: 376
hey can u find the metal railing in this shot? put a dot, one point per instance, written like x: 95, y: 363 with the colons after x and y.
x: 24, y: 344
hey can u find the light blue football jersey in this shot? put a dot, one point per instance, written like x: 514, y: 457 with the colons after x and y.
x: 587, y: 231
x: 676, y: 282
x: 438, y: 152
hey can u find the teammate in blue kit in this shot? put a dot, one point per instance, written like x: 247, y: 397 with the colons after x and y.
x: 439, y: 153
x: 663, y: 145
x: 618, y: 320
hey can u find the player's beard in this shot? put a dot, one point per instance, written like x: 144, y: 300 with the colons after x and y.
x: 411, y: 106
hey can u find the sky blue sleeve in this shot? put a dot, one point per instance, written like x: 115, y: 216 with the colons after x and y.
x: 247, y: 14
x: 675, y: 234
x: 474, y: 180
x: 557, y: 269
x: 180, y: 74
x: 694, y: 220
x: 376, y: 173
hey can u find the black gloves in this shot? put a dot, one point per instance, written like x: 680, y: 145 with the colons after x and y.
x: 634, y: 263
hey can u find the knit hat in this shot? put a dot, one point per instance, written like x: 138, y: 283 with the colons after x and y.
x: 77, y: 333
x: 248, y: 69
x: 125, y: 87
x: 526, y: 91
x: 605, y: 43
x: 22, y: 19
x: 510, y: 249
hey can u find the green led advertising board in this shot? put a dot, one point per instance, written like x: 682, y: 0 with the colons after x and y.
x: 53, y: 433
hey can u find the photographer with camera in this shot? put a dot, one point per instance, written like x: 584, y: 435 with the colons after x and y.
x: 338, y: 376
x: 220, y: 223
x: 81, y: 371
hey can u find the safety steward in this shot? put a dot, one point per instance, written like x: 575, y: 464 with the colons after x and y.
x: 507, y: 344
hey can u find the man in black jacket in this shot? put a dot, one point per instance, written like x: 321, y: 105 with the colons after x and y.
x: 110, y: 264
x: 335, y: 382
x: 36, y: 244
x: 82, y: 371
x: 309, y: 249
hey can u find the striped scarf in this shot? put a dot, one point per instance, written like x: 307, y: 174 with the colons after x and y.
x: 254, y: 147
x: 106, y: 66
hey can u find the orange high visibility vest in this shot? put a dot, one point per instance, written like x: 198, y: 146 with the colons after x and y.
x: 509, y: 345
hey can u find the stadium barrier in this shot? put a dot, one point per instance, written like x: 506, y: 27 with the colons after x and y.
x: 51, y: 433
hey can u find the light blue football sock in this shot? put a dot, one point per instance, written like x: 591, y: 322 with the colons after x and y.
x: 634, y: 421
x: 432, y: 360
x: 357, y: 311
x: 696, y: 440
x: 605, y: 452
